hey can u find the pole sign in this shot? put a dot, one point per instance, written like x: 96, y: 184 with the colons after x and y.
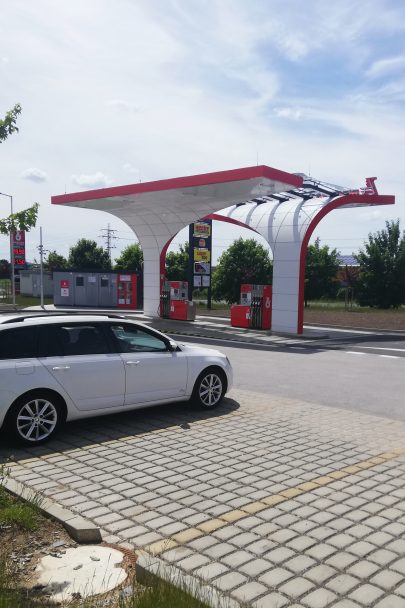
x: 18, y: 248
x: 200, y: 239
x: 201, y: 248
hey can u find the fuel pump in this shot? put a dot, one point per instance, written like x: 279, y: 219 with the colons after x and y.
x: 254, y: 310
x: 165, y: 300
x: 174, y: 303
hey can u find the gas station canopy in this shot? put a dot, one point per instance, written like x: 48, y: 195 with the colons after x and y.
x: 282, y: 207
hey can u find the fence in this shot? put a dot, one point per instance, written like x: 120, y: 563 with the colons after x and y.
x: 5, y: 291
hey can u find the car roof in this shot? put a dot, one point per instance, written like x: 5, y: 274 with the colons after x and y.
x: 14, y: 320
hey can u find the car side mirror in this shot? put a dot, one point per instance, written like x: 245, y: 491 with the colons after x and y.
x: 172, y: 345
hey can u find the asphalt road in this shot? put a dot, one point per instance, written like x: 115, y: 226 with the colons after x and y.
x: 357, y: 377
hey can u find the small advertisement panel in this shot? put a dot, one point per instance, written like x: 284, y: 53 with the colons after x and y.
x: 202, y: 268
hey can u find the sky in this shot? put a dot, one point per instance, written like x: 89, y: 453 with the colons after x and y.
x: 119, y: 92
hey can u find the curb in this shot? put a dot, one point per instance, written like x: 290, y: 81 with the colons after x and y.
x: 150, y: 570
x: 240, y: 338
x: 81, y: 530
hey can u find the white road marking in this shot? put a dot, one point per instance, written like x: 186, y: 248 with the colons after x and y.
x: 321, y: 328
x: 390, y: 356
x: 398, y: 350
x: 352, y: 352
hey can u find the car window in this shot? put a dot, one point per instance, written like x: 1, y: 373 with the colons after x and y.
x: 49, y: 341
x: 19, y: 343
x: 75, y: 339
x: 134, y: 339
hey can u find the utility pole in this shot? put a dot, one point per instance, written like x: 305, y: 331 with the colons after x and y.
x: 41, y: 267
x: 109, y: 236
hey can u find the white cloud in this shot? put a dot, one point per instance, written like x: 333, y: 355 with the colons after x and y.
x: 385, y: 67
x: 97, y: 180
x: 290, y: 113
x: 128, y: 168
x: 35, y: 175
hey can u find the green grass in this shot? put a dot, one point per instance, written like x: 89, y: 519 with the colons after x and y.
x: 163, y: 595
x: 214, y: 305
x: 25, y: 301
x: 21, y: 513
x: 339, y: 305
x: 22, y: 516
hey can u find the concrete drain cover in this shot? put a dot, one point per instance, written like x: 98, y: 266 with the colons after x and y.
x: 86, y: 571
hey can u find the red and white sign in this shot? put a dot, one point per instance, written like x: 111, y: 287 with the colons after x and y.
x: 18, y: 247
x: 64, y: 288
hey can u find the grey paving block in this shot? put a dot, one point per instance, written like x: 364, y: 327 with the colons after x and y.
x: 272, y: 600
x: 235, y: 559
x: 249, y: 591
x: 229, y: 581
x: 320, y: 598
x: 295, y: 587
x: 366, y: 594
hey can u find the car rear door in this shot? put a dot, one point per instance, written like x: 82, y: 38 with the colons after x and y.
x: 153, y: 373
x: 79, y: 357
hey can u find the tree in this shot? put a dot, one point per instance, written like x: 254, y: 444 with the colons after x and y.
x: 26, y: 219
x: 55, y: 262
x: 86, y: 255
x: 382, y: 268
x: 320, y: 273
x: 7, y: 124
x: 130, y: 260
x: 177, y: 264
x: 245, y: 261
x: 4, y: 269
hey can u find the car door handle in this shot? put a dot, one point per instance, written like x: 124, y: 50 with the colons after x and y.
x: 59, y: 367
x: 133, y: 362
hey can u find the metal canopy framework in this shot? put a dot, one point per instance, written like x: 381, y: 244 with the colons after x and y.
x: 280, y: 206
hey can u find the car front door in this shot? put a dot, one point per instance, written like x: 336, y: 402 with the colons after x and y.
x: 80, y: 359
x: 153, y: 373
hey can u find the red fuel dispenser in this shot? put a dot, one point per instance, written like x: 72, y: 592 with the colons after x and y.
x: 174, y: 303
x: 254, y: 310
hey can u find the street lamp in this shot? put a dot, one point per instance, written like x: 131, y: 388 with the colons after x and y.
x: 11, y: 253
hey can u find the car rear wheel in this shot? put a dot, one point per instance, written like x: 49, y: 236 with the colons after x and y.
x: 34, y: 418
x: 209, y: 388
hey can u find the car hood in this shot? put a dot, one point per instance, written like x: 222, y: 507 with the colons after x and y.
x: 192, y: 349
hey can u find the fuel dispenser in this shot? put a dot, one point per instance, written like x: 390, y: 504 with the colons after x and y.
x: 254, y: 310
x: 174, y: 303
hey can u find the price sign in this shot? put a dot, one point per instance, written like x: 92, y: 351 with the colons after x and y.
x: 18, y: 247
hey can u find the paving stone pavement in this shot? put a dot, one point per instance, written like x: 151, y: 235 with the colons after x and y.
x: 276, y: 502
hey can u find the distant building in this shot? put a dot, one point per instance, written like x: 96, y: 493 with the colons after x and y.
x: 30, y: 283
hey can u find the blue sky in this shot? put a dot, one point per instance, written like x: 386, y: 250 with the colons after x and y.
x: 114, y: 93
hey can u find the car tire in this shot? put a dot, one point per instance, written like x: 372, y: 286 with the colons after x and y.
x: 35, y: 417
x: 209, y: 389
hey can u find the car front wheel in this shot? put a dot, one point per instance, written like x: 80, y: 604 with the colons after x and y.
x: 209, y: 389
x: 34, y: 418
